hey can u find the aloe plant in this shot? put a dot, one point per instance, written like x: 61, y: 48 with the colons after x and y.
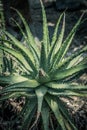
x: 45, y: 74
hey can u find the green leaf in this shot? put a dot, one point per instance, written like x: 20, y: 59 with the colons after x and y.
x: 57, y: 44
x: 83, y: 61
x: 65, y: 112
x: 54, y: 38
x: 60, y: 37
x: 32, y: 49
x: 7, y: 62
x: 31, y: 41
x: 40, y: 92
x: 62, y: 74
x: 75, y: 61
x: 63, y: 64
x: 11, y: 79
x: 9, y: 95
x: 28, y: 114
x: 46, y: 41
x: 25, y: 51
x: 45, y: 46
x: 52, y: 102
x: 67, y: 93
x: 19, y: 45
x: 18, y: 56
x: 45, y: 115
x: 26, y: 86
x: 68, y: 127
x: 67, y: 86
x: 16, y: 94
x: 43, y: 61
x: 65, y: 46
x: 17, y: 90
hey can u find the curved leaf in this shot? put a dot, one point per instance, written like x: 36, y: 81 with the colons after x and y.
x: 67, y: 93
x: 11, y: 79
x: 65, y: 112
x: 55, y: 46
x: 18, y: 56
x: 31, y: 41
x: 40, y: 92
x: 62, y: 74
x: 28, y: 114
x: 26, y: 86
x: 54, y: 38
x: 67, y: 60
x: 36, y: 54
x: 65, y: 46
x: 45, y: 115
x: 25, y: 51
x: 52, y: 102
x: 66, y: 86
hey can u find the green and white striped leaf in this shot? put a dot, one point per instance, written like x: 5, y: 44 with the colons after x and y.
x: 40, y: 92
x: 60, y: 37
x: 65, y: 46
x: 25, y: 86
x: 11, y: 79
x: 19, y: 45
x: 65, y: 113
x: 75, y: 61
x: 43, y: 61
x: 55, y: 46
x: 62, y: 74
x: 54, y: 38
x: 10, y: 95
x: 31, y: 41
x: 36, y: 53
x: 63, y: 64
x: 16, y: 94
x: 45, y: 116
x: 18, y: 56
x: 28, y: 114
x: 52, y: 102
x: 25, y: 52
x: 67, y: 86
x: 46, y: 41
x: 67, y: 93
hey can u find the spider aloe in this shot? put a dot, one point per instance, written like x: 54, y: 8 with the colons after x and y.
x: 45, y: 74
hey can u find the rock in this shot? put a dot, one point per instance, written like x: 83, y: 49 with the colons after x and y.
x: 35, y: 4
x: 21, y: 5
x: 15, y: 33
x: 70, y: 4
